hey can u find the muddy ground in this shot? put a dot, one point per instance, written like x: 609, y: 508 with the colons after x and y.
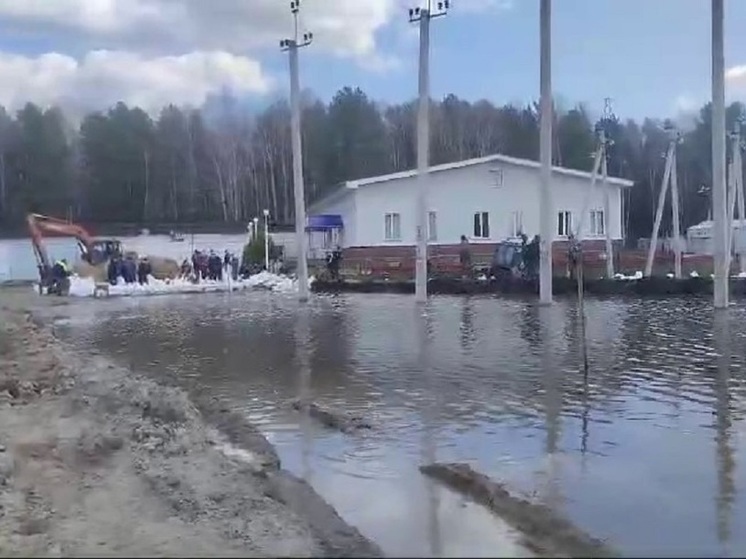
x: 97, y: 461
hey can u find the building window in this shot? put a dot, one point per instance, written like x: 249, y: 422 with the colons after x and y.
x: 392, y: 231
x: 497, y: 177
x: 482, y: 225
x: 564, y: 224
x: 516, y: 223
x: 598, y: 226
x: 432, y: 226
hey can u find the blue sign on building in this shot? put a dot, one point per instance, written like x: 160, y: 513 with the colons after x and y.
x: 324, y: 222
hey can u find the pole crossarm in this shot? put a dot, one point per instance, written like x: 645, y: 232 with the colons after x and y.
x: 296, y: 42
x: 441, y: 9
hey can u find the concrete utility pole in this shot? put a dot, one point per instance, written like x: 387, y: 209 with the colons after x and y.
x: 292, y: 46
x: 676, y: 217
x: 668, y: 173
x: 546, y: 208
x: 423, y: 16
x: 606, y: 142
x: 738, y: 165
x: 735, y: 196
x: 266, y: 239
x: 719, y: 209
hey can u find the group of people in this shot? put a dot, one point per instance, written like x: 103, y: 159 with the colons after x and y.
x: 208, y: 265
x: 129, y: 269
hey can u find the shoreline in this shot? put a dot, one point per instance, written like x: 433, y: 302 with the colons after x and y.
x: 95, y: 459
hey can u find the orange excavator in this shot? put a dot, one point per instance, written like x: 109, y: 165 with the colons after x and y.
x: 94, y: 253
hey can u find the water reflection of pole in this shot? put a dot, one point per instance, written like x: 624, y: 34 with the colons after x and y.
x: 430, y: 417
x: 467, y: 324
x: 302, y: 344
x: 572, y: 327
x: 552, y: 404
x: 726, y: 463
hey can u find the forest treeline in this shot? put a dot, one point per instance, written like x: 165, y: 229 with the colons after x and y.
x: 188, y: 167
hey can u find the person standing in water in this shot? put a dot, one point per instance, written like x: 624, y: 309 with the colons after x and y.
x: 464, y: 257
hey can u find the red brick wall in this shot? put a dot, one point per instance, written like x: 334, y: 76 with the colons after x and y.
x: 399, y: 261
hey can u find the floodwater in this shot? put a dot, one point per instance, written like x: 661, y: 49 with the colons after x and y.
x: 643, y: 452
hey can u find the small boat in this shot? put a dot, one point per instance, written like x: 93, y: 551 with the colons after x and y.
x: 176, y: 237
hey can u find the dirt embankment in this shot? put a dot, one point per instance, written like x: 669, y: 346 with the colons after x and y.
x: 94, y: 462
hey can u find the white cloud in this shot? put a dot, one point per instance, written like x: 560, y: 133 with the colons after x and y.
x: 686, y: 103
x: 735, y: 82
x: 687, y: 106
x: 151, y: 52
x: 144, y: 42
x: 103, y: 78
x: 346, y: 27
x: 457, y: 7
x: 472, y: 6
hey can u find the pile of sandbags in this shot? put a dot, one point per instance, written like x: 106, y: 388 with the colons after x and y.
x: 163, y: 268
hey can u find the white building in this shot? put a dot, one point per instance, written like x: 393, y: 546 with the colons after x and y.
x: 487, y: 199
x: 699, y: 238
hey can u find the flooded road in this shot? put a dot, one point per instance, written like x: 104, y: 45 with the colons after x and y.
x: 643, y: 452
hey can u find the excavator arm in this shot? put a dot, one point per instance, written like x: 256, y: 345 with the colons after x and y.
x: 39, y: 224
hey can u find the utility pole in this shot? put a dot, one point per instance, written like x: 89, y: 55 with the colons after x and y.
x: 676, y: 222
x: 605, y: 143
x: 668, y: 174
x: 423, y: 16
x: 735, y: 196
x: 719, y: 210
x: 546, y: 208
x: 291, y: 46
x: 738, y: 166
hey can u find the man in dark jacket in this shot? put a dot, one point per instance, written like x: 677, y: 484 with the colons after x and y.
x: 234, y: 267
x: 129, y: 269
x: 60, y: 275
x: 144, y: 269
x: 464, y: 256
x: 113, y: 270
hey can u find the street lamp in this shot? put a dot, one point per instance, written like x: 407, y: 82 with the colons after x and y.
x: 256, y: 228
x: 423, y: 17
x: 266, y: 239
x: 291, y: 46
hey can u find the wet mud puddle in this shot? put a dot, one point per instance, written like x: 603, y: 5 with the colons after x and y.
x: 488, y: 382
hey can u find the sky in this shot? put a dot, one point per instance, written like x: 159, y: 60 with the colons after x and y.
x: 651, y: 57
